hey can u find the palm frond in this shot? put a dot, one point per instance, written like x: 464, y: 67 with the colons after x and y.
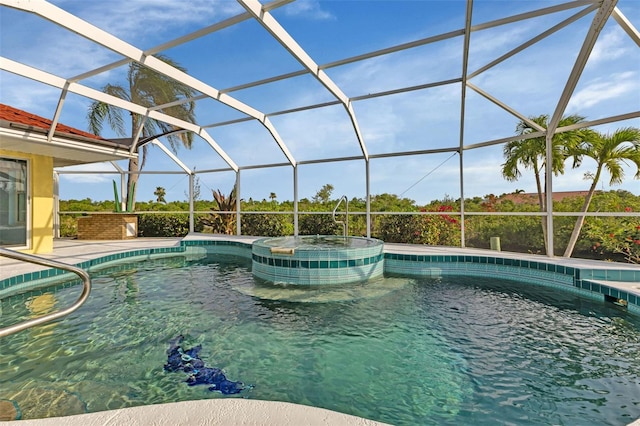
x: 148, y: 88
x: 99, y: 112
x: 152, y: 89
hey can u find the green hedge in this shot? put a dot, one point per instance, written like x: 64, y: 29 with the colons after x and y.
x: 266, y: 225
x: 318, y: 224
x: 165, y: 225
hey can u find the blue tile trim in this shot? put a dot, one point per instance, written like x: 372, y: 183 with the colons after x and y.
x: 632, y: 299
x: 322, y: 264
x: 565, y: 277
x: 309, y: 266
x: 47, y: 276
x: 217, y: 245
x: 562, y: 277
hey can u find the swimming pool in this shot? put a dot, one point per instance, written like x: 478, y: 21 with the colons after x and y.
x: 443, y: 350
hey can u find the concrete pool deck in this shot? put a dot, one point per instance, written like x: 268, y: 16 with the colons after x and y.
x: 243, y: 411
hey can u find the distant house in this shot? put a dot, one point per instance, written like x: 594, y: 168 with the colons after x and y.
x: 532, y: 197
x: 29, y: 151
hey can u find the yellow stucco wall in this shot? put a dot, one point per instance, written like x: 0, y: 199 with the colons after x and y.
x: 41, y: 190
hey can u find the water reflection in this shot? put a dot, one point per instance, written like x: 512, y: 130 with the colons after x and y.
x: 39, y: 306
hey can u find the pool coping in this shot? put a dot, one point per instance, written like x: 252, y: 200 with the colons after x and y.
x: 588, y: 277
x: 221, y: 411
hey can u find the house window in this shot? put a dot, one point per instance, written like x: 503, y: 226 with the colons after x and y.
x: 13, y: 202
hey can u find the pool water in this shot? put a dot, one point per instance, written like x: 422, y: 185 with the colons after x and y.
x: 455, y: 350
x: 320, y: 242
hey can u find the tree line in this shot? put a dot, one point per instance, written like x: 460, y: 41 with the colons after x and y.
x: 397, y: 219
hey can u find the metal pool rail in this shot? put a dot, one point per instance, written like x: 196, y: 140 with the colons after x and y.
x: 86, y: 289
x: 345, y: 223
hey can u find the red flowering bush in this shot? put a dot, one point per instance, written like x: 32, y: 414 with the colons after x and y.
x: 621, y: 235
x: 441, y: 229
x: 432, y: 229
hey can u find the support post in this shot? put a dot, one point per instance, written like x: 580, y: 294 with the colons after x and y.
x: 123, y: 185
x: 238, y: 223
x: 191, y: 215
x: 295, y: 200
x: 368, y: 196
x: 56, y: 205
x: 548, y: 184
x: 462, y: 236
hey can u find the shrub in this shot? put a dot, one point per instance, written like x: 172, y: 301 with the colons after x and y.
x: 398, y: 229
x: 518, y: 234
x: 262, y: 224
x: 616, y: 235
x: 165, y: 225
x: 440, y: 229
x: 224, y: 222
x: 68, y: 225
x: 318, y: 224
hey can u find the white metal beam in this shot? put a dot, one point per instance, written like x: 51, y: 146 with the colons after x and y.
x: 534, y: 40
x: 276, y: 30
x: 221, y: 152
x: 103, y: 38
x: 138, y: 133
x: 599, y: 20
x: 180, y: 40
x: 507, y: 108
x: 213, y: 28
x: 191, y: 214
x: 347, y: 61
x: 417, y: 43
x: 463, y: 102
x: 117, y: 167
x: 58, y: 82
x: 626, y: 25
x: 56, y: 114
x: 336, y: 102
x: 171, y: 155
x: 533, y: 14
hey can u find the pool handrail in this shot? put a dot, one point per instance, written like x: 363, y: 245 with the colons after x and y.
x: 86, y: 290
x: 345, y: 223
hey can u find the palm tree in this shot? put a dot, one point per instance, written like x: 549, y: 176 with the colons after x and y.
x: 609, y: 152
x: 148, y: 88
x: 531, y: 154
x: 160, y: 193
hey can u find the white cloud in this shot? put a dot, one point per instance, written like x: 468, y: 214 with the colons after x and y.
x: 599, y: 90
x: 609, y: 46
x: 28, y: 95
x: 307, y: 9
x: 89, y: 178
x: 491, y: 42
x: 71, y: 55
x: 416, y: 66
x: 143, y: 18
x: 144, y: 22
x: 320, y: 133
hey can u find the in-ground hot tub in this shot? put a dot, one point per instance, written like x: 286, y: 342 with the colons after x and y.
x: 317, y: 259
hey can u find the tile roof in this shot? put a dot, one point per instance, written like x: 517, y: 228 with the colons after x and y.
x: 532, y: 197
x: 15, y: 115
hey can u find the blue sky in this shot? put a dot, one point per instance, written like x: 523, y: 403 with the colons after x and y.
x: 529, y: 82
